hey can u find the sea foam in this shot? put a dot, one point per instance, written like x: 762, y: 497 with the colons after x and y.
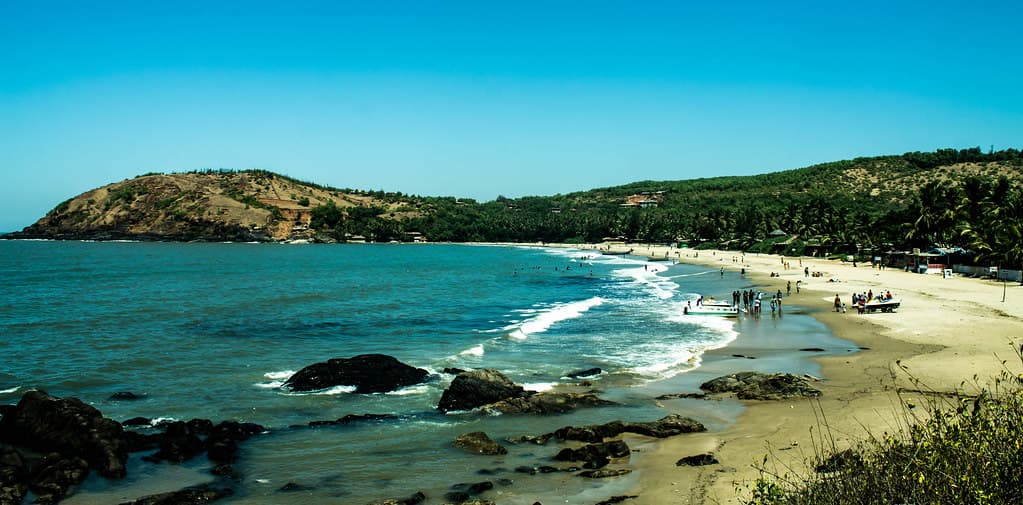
x: 547, y: 318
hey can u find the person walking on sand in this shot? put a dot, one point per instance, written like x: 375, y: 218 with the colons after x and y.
x: 806, y: 271
x: 788, y: 288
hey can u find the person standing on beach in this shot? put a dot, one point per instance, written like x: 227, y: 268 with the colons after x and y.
x: 788, y: 288
x: 806, y: 271
x: 838, y: 303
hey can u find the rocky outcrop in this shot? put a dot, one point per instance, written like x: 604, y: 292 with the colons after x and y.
x: 369, y: 373
x: 69, y: 427
x: 604, y: 473
x: 353, y: 418
x: 546, y: 403
x: 180, y: 442
x: 55, y: 474
x: 414, y: 499
x: 222, y: 442
x: 697, y: 460
x: 595, y: 455
x: 478, y: 442
x: 589, y: 372
x: 667, y: 426
x: 13, y: 473
x: 761, y: 386
x: 493, y: 392
x: 54, y: 442
x: 189, y: 496
x: 464, y: 493
x: 477, y: 388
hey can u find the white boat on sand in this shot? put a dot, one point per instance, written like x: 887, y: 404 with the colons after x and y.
x: 884, y: 305
x: 711, y: 308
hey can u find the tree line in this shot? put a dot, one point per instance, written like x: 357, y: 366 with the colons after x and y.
x: 980, y: 213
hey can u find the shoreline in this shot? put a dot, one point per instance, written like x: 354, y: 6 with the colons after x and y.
x: 943, y: 341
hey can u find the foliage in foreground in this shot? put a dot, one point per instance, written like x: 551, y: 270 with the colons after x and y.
x: 955, y: 449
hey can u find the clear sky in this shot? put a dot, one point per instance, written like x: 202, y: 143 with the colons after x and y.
x: 485, y: 98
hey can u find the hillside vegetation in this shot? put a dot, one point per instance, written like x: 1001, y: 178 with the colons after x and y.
x: 949, y: 197
x: 251, y: 205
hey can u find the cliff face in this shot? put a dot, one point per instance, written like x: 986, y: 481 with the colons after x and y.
x: 213, y: 206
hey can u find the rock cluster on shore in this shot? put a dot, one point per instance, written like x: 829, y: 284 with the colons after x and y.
x: 491, y: 391
x: 761, y: 386
x: 49, y: 445
x: 74, y: 438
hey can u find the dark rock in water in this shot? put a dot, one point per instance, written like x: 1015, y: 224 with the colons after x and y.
x: 546, y: 403
x: 13, y: 473
x: 457, y: 496
x: 595, y: 455
x: 292, y: 487
x: 761, y: 386
x: 225, y: 470
x: 416, y: 498
x: 478, y: 442
x: 592, y: 433
x: 478, y: 388
x: 354, y: 418
x: 667, y: 426
x: 675, y: 396
x: 67, y: 426
x: 530, y: 439
x: 369, y: 373
x: 526, y: 469
x: 453, y: 371
x: 200, y: 426
x: 697, y: 460
x: 222, y: 443
x: 474, y: 488
x: 138, y: 421
x: 589, y: 372
x: 812, y: 349
x: 604, y: 473
x: 126, y: 395
x: 54, y: 474
x: 616, y: 499
x: 138, y: 442
x: 179, y: 443
x: 189, y: 496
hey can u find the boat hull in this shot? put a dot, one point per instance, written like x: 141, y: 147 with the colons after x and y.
x: 711, y: 310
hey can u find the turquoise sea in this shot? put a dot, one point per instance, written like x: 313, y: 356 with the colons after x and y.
x: 212, y: 330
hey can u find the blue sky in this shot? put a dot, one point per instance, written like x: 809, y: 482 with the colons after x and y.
x: 480, y: 99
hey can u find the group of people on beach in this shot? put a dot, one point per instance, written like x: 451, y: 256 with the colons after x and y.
x: 751, y: 301
x: 861, y: 299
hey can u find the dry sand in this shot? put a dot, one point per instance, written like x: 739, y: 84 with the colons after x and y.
x: 946, y: 332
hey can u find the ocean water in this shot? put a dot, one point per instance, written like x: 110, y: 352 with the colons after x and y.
x: 212, y: 331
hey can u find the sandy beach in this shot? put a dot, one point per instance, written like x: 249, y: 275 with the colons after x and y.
x: 949, y: 334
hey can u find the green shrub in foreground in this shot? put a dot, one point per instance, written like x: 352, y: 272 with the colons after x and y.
x: 956, y: 449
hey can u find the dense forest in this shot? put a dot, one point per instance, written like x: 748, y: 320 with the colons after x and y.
x: 952, y: 198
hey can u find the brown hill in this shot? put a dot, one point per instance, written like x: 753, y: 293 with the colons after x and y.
x: 211, y: 205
